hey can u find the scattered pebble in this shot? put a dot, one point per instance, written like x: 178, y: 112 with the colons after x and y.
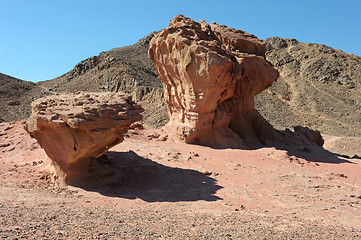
x: 207, y: 173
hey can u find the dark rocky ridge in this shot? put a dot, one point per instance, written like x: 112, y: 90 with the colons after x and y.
x: 15, y: 97
x: 125, y: 69
x: 319, y: 87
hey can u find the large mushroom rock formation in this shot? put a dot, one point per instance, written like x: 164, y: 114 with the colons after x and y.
x: 76, y: 128
x: 210, y: 74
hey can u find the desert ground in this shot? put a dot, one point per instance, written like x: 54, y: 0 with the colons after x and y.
x: 155, y: 188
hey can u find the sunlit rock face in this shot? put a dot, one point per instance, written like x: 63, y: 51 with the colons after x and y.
x: 76, y: 128
x: 210, y: 75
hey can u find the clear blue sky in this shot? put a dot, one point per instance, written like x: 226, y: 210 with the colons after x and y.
x: 40, y: 40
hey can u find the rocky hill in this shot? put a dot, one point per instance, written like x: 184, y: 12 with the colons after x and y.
x: 125, y: 69
x: 15, y: 97
x: 319, y: 87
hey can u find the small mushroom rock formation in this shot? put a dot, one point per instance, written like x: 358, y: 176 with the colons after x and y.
x: 210, y: 75
x: 76, y: 128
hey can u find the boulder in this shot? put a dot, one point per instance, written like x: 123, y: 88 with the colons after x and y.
x: 76, y: 128
x: 210, y: 75
x: 309, y: 135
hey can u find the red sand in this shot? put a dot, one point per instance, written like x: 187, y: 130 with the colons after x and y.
x: 175, y: 177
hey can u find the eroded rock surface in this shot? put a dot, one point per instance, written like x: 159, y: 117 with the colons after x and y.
x: 76, y: 128
x: 210, y: 75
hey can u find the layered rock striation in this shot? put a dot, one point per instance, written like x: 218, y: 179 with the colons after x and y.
x: 210, y: 75
x: 76, y: 128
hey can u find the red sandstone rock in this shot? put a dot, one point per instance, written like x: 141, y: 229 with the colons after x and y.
x: 210, y: 75
x: 75, y: 128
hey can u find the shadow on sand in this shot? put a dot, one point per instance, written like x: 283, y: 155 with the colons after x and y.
x: 315, y: 154
x: 131, y: 176
x: 297, y: 145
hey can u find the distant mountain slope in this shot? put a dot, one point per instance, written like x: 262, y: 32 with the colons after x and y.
x: 15, y: 97
x: 318, y: 86
x: 127, y: 69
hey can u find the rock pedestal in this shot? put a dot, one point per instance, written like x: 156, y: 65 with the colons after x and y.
x: 210, y: 75
x: 76, y: 128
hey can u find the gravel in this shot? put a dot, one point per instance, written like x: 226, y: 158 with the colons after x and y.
x: 97, y: 222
